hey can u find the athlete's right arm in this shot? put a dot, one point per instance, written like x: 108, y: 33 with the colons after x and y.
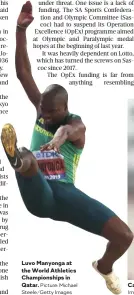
x: 23, y: 67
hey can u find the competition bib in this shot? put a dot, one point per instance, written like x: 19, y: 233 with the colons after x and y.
x: 51, y: 164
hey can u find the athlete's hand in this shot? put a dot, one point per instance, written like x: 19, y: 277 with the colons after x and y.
x: 52, y: 145
x: 25, y: 18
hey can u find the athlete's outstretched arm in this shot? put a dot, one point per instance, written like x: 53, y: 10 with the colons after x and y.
x: 74, y: 132
x: 23, y: 67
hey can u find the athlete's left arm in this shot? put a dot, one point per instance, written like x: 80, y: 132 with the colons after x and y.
x: 74, y: 131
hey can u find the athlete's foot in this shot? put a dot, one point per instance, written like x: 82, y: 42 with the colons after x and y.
x: 112, y: 281
x: 9, y: 141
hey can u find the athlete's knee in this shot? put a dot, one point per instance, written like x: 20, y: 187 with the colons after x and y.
x: 115, y: 230
x: 127, y: 237
x: 124, y: 236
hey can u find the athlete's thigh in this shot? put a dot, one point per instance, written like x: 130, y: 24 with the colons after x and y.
x: 77, y: 208
x: 36, y: 194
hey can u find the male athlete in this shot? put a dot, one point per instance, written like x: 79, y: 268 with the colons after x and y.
x: 46, y: 173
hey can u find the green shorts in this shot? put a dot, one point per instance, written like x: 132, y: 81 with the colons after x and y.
x: 63, y: 202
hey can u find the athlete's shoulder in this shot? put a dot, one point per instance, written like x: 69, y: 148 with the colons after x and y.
x: 74, y: 117
x: 77, y: 120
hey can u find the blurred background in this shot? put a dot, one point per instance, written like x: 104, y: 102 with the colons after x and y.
x: 131, y: 184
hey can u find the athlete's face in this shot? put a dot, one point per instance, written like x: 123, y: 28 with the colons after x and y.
x: 53, y: 111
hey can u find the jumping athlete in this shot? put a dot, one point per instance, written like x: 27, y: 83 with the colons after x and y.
x: 46, y: 173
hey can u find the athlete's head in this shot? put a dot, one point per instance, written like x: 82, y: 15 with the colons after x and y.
x: 54, y: 104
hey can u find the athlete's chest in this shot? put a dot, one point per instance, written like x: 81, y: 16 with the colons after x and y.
x: 43, y: 134
x: 50, y: 163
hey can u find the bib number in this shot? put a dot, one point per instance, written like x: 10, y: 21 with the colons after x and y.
x: 51, y: 164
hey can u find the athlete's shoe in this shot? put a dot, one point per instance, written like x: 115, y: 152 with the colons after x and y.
x: 112, y: 281
x: 9, y: 141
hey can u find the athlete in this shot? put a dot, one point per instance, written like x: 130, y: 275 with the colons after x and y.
x: 46, y: 173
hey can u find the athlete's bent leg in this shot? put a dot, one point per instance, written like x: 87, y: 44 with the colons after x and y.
x: 78, y: 209
x: 120, y: 237
x: 35, y: 191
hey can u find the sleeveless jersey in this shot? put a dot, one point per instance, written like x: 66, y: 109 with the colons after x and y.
x: 55, y: 166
